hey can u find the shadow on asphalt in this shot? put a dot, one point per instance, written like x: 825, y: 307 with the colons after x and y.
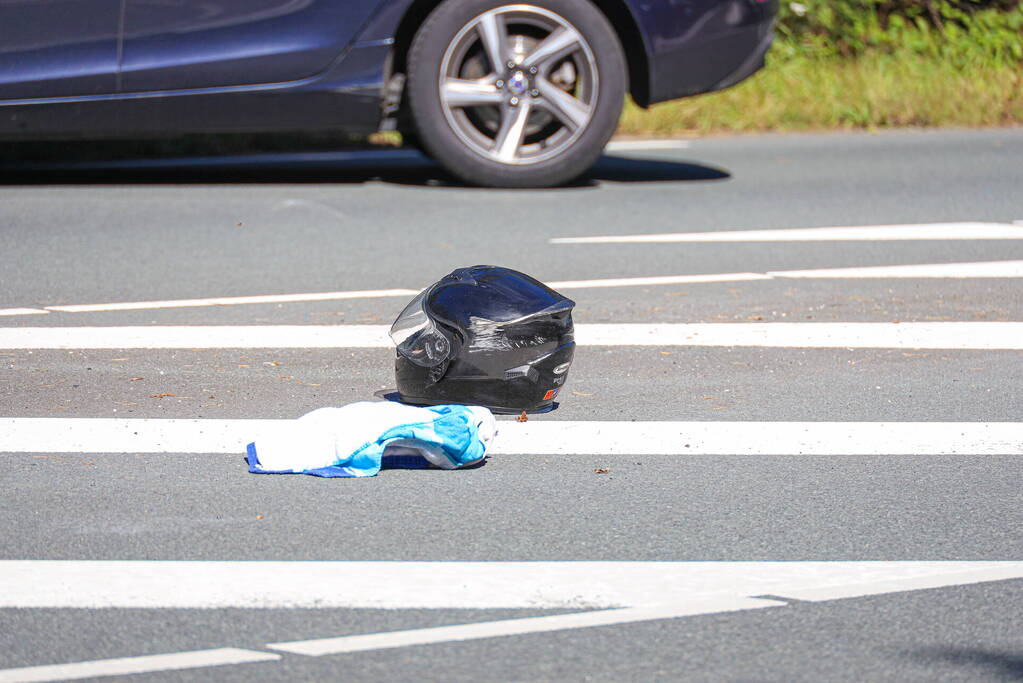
x: 999, y: 665
x: 399, y: 167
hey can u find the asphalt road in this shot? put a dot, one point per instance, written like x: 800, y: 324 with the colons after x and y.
x: 293, y: 226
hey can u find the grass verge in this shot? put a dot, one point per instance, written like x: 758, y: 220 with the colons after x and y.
x: 868, y: 92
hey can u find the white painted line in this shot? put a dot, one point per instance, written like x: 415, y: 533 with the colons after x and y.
x: 925, y: 231
x: 658, y: 280
x: 761, y: 438
x: 941, y: 335
x: 516, y: 627
x: 22, y: 311
x: 964, y: 335
x: 640, y: 145
x: 135, y: 665
x: 978, y: 269
x: 879, y: 584
x: 873, y: 582
x: 982, y: 269
x: 636, y: 591
x: 34, y: 584
x: 235, y: 300
x: 543, y: 437
x: 110, y: 435
x: 197, y: 337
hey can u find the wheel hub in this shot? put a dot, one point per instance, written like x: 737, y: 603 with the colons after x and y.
x: 518, y: 83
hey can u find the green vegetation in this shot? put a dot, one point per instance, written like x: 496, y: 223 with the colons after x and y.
x: 867, y: 64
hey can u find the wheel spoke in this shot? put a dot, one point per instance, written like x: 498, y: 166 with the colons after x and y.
x: 458, y: 92
x: 558, y: 44
x: 571, y: 111
x: 513, y: 128
x: 492, y: 32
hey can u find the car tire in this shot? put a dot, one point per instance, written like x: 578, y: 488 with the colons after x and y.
x: 512, y: 95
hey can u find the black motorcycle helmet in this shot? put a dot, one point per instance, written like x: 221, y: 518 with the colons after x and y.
x: 485, y: 336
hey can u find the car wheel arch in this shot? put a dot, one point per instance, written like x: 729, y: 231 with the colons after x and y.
x: 616, y: 11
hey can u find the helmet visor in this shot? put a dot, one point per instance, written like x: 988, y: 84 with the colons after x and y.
x: 418, y: 337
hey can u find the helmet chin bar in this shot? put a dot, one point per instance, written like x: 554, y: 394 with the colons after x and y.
x: 437, y: 372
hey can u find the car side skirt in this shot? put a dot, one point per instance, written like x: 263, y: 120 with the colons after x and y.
x: 344, y: 98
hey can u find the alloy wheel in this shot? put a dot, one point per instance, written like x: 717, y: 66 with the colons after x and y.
x: 518, y: 84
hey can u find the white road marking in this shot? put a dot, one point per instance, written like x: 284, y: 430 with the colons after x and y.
x: 197, y: 337
x: 22, y: 311
x: 131, y: 584
x: 658, y: 280
x: 540, y: 437
x: 639, y: 145
x: 924, y: 231
x: 135, y: 665
x: 516, y: 627
x: 886, y: 335
x: 980, y: 269
x: 635, y: 591
x: 954, y: 335
x: 234, y: 300
x: 872, y: 581
x: 761, y: 438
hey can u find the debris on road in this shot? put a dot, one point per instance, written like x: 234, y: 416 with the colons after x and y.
x: 352, y: 441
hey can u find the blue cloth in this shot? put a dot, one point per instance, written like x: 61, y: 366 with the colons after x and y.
x: 352, y: 441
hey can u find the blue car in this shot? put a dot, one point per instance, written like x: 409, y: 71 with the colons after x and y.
x: 499, y: 94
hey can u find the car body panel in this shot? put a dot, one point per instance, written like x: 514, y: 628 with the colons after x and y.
x: 295, y: 65
x: 58, y: 47
x: 187, y: 44
x: 696, y: 46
